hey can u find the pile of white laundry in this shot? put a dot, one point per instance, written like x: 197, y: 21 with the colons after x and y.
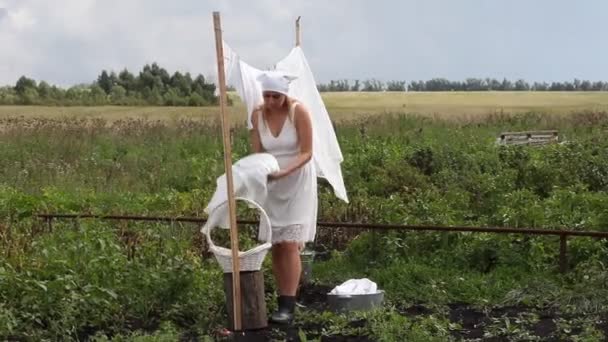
x: 355, y: 287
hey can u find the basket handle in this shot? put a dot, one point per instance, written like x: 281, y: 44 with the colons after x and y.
x: 264, y: 221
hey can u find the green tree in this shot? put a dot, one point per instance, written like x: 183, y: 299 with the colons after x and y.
x: 118, y: 95
x: 24, y: 83
x: 149, y: 82
x: 373, y: 85
x: 182, y: 83
x: 196, y: 100
x: 207, y: 88
x: 153, y: 96
x: 97, y: 95
x: 8, y: 96
x: 395, y: 86
x: 44, y: 90
x: 127, y: 81
x: 30, y: 96
x: 105, y: 82
x: 74, y: 95
x: 521, y: 85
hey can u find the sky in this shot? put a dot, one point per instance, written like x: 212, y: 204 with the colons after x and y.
x: 67, y: 42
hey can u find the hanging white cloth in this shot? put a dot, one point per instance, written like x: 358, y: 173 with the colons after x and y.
x: 326, y: 150
x: 243, y: 78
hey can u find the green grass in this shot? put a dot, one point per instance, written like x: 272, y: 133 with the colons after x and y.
x: 128, y: 281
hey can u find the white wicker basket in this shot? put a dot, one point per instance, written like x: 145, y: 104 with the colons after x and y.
x: 250, y: 260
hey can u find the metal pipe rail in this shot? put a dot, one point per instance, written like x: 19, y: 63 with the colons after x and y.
x: 563, y: 234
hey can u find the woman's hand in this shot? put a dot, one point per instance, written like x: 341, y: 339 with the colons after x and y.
x: 277, y: 175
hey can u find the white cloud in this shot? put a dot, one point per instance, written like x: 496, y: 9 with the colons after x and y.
x: 70, y: 41
x: 21, y: 19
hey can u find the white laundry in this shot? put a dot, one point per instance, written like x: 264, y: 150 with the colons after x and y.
x: 355, y: 287
x: 250, y: 181
x: 326, y: 150
x: 243, y: 78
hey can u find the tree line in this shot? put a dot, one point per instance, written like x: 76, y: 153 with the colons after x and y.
x: 152, y: 86
x: 470, y: 84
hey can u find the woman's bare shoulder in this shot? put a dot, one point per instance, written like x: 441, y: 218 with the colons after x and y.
x: 301, y: 110
x: 257, y: 111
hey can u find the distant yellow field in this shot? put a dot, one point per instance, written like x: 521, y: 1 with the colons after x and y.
x: 350, y: 105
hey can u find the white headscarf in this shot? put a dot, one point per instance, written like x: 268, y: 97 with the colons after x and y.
x: 276, y: 81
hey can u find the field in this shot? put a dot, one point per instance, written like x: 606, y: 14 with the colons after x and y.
x: 433, y: 161
x: 349, y: 105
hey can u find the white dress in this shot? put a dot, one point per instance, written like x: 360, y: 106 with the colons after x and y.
x: 292, y: 200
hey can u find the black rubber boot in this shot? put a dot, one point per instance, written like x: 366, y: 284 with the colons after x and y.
x: 285, y: 313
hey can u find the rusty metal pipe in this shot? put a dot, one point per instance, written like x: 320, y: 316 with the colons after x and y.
x: 350, y: 225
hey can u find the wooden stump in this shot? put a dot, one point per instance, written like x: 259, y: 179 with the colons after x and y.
x: 253, y: 304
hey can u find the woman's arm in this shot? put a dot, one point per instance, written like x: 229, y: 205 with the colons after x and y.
x: 254, y: 134
x: 303, y: 124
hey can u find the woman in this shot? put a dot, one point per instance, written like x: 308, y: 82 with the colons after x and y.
x: 282, y: 127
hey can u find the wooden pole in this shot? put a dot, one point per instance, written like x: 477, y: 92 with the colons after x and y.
x: 298, y: 37
x: 254, y: 312
x: 234, y: 235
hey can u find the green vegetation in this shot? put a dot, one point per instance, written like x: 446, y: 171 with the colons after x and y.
x: 470, y: 84
x: 152, y: 86
x: 102, y: 280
